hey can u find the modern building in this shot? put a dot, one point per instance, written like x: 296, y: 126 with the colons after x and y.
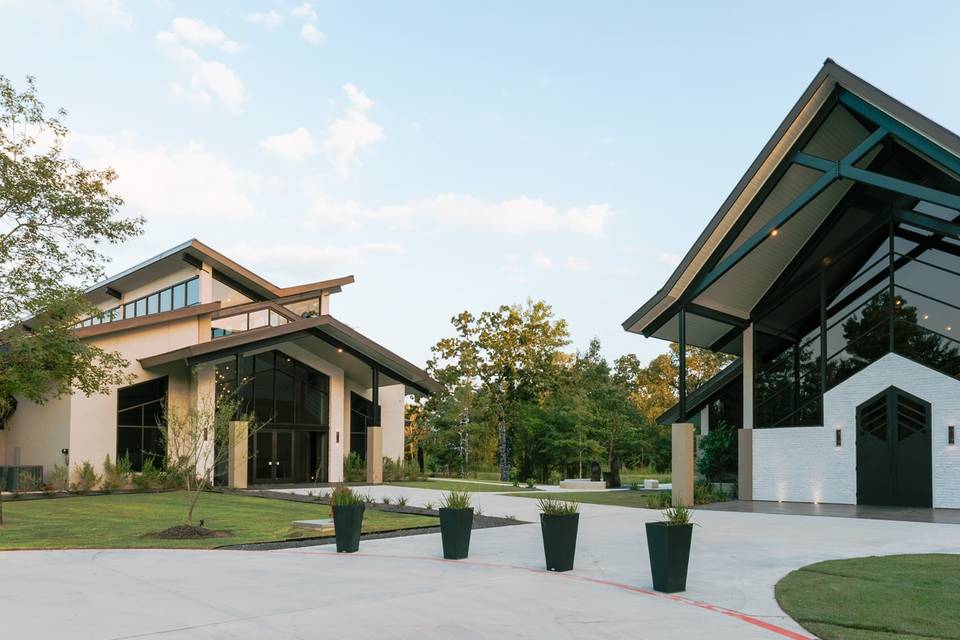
x: 832, y: 273
x: 192, y: 323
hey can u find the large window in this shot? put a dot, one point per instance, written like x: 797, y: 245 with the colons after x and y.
x: 140, y: 418
x: 278, y: 389
x: 237, y: 323
x: 361, y: 417
x: 182, y: 294
x: 897, y: 289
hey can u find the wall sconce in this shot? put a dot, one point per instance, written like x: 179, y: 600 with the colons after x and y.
x: 839, y: 438
x: 951, y: 434
x: 338, y: 437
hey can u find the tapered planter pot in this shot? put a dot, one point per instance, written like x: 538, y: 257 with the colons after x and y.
x: 347, y: 523
x: 455, y: 527
x: 559, y: 540
x: 669, y: 547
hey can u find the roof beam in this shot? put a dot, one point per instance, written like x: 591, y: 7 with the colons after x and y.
x: 764, y: 232
x: 918, y: 141
x: 719, y: 316
x: 896, y: 185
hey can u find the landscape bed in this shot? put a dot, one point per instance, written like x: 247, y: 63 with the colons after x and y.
x: 125, y: 521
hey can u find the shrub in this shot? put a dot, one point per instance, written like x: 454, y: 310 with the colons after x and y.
x: 718, y: 453
x: 60, y: 478
x: 531, y: 483
x: 677, y: 515
x: 385, y: 499
x: 456, y: 500
x: 345, y: 497
x: 392, y: 470
x: 87, y: 478
x: 28, y: 481
x: 634, y: 486
x: 554, y: 477
x: 660, y: 500
x: 428, y: 505
x: 557, y: 507
x: 411, y: 471
x: 116, y: 476
x: 355, y: 469
x: 402, y: 501
x: 149, y: 478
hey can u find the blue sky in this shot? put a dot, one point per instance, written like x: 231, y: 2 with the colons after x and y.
x: 452, y: 155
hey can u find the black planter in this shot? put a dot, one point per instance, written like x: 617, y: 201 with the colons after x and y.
x: 347, y: 523
x: 669, y: 547
x: 455, y: 527
x: 559, y: 540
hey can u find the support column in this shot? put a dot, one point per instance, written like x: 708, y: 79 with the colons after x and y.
x: 682, y: 373
x: 238, y: 456
x: 374, y: 460
x: 335, y: 434
x: 681, y: 468
x: 375, y: 455
x: 745, y: 435
x: 203, y: 388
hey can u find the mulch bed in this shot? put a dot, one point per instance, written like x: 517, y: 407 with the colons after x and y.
x: 183, y: 532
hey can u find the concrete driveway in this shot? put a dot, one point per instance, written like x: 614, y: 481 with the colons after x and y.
x: 400, y: 588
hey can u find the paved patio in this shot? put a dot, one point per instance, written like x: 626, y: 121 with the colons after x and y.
x: 400, y: 588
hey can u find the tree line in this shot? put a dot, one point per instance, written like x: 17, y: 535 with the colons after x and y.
x: 515, y: 398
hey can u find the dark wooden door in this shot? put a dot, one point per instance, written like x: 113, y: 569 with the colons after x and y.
x: 893, y: 451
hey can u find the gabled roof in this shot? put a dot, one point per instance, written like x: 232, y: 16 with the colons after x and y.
x: 772, y: 182
x: 193, y: 251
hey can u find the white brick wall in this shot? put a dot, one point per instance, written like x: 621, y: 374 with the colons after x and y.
x: 803, y: 464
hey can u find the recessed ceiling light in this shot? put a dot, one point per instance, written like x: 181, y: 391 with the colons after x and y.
x: 774, y: 232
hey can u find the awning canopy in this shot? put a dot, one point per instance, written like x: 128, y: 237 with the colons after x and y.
x: 845, y: 146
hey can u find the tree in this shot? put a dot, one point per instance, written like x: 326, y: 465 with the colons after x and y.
x: 198, y: 439
x: 54, y: 212
x: 507, y: 354
x: 654, y: 388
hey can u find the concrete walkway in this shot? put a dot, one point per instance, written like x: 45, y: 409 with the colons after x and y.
x: 400, y: 588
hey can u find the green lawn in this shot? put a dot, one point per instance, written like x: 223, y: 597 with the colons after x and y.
x: 454, y: 485
x: 119, y: 521
x: 912, y: 596
x: 627, y: 476
x: 637, y: 499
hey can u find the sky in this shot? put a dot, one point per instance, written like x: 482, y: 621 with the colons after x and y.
x: 451, y: 155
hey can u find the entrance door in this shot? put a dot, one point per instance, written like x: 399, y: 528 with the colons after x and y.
x: 272, y: 459
x: 288, y: 456
x: 893, y: 451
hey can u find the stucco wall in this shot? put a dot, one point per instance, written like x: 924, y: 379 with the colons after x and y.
x: 93, y: 419
x: 804, y: 464
x: 40, y: 431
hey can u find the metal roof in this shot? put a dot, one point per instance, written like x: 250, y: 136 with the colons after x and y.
x: 817, y: 125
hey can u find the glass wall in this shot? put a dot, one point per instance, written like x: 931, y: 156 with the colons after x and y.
x: 895, y: 290
x: 140, y: 418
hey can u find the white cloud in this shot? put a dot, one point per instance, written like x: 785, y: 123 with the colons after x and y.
x: 516, y: 216
x: 305, y: 12
x: 199, y: 33
x: 541, y: 260
x: 206, y: 80
x: 296, y: 255
x: 309, y: 33
x: 293, y: 146
x: 575, y: 263
x: 189, y: 181
x: 353, y: 132
x: 270, y: 19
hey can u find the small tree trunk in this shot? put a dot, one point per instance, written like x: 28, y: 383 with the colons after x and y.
x: 504, y: 451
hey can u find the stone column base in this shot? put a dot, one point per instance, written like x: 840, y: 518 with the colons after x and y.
x: 375, y: 455
x: 681, y: 468
x: 238, y: 455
